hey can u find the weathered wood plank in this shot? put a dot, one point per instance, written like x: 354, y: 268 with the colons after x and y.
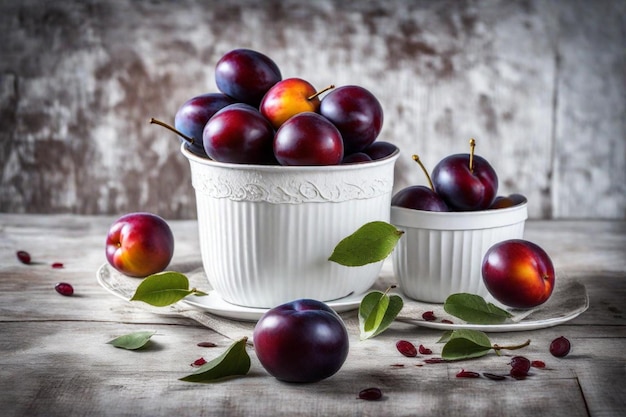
x: 590, y: 97
x: 54, y: 359
x: 66, y: 368
x: 538, y: 84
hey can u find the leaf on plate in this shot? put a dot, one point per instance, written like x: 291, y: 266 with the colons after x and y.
x: 371, y: 243
x: 377, y: 311
x: 474, y: 309
x: 466, y: 344
x: 235, y: 361
x: 163, y: 289
x: 132, y: 341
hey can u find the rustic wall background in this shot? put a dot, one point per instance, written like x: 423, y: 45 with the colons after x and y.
x: 541, y: 85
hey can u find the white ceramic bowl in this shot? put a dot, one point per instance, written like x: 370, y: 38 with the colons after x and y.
x: 441, y: 253
x: 266, y: 232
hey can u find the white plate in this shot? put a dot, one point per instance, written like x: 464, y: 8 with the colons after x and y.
x: 214, y: 304
x: 124, y: 287
x: 567, y: 302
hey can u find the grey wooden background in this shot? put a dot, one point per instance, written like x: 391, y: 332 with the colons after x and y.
x: 540, y: 84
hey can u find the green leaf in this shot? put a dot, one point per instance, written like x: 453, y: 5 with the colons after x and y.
x: 375, y: 316
x: 132, y: 341
x: 163, y: 289
x: 371, y: 243
x: 377, y: 311
x: 466, y: 344
x: 445, y: 336
x: 233, y: 362
x: 474, y: 309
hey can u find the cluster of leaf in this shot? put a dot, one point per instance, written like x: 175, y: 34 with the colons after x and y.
x: 166, y: 288
x: 373, y: 242
x: 378, y: 310
x: 233, y: 362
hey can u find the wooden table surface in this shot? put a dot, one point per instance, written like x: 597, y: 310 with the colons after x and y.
x: 55, y: 360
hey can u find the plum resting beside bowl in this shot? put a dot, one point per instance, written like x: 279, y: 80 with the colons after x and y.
x: 441, y: 253
x: 266, y: 231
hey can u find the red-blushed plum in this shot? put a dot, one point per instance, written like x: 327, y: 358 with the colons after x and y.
x: 139, y: 244
x: 511, y: 200
x: 518, y: 273
x: 464, y: 187
x: 560, y: 347
x: 239, y: 134
x: 301, y: 341
x: 193, y: 114
x: 380, y: 149
x: 356, y: 158
x: 246, y: 75
x: 419, y: 197
x: 287, y: 98
x: 308, y: 139
x: 356, y: 112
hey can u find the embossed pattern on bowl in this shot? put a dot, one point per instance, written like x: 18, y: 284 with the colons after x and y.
x: 266, y: 232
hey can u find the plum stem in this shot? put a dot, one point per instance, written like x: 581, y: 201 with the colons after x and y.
x: 322, y: 91
x: 389, y: 288
x: 165, y: 125
x: 498, y: 348
x: 417, y: 159
x: 472, y: 143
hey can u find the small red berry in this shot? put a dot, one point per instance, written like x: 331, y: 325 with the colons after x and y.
x: 64, y: 288
x: 538, y: 364
x: 518, y: 373
x: 521, y: 363
x: 370, y: 394
x: 519, y: 367
x: 57, y: 265
x: 406, y: 348
x: 23, y: 256
x: 198, y: 362
x: 429, y: 316
x: 467, y: 374
x: 560, y: 347
x: 424, y: 350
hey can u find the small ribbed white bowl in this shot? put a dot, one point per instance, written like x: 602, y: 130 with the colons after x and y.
x: 441, y: 253
x: 266, y: 231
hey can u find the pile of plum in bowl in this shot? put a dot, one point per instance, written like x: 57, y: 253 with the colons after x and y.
x: 282, y: 172
x: 461, y: 237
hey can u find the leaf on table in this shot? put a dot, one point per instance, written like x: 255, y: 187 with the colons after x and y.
x: 235, y: 361
x: 445, y: 336
x: 372, y: 242
x: 466, y: 344
x: 377, y: 311
x: 132, y: 341
x: 163, y: 289
x: 474, y: 309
